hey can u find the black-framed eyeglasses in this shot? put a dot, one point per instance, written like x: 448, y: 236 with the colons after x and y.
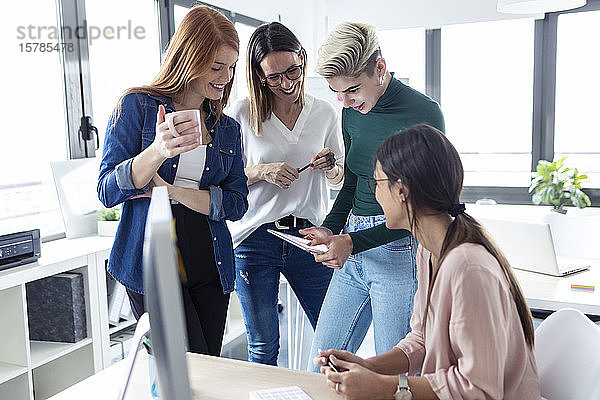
x: 292, y: 73
x: 372, y: 182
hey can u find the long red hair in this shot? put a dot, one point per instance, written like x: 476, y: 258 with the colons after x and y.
x: 190, y: 54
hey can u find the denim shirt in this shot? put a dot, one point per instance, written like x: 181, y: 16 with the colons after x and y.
x: 223, y: 176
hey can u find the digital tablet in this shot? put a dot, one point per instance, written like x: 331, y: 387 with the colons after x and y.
x: 299, y: 242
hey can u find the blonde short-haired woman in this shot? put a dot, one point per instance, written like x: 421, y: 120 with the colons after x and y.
x: 205, y: 178
x: 379, y: 283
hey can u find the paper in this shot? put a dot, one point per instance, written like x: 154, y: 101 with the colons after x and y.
x: 283, y: 393
x: 300, y: 242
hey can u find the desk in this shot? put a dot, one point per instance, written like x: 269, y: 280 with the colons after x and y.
x: 552, y: 293
x: 212, y: 378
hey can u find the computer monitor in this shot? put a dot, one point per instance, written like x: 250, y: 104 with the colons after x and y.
x: 164, y: 300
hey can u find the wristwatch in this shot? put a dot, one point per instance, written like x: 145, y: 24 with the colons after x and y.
x: 403, y: 392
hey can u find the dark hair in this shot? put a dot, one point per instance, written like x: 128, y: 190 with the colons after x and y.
x: 429, y: 166
x: 267, y: 38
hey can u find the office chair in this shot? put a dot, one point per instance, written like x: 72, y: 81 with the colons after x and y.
x: 567, y: 352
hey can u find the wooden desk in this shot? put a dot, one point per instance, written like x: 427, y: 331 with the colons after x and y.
x: 552, y: 293
x: 212, y: 378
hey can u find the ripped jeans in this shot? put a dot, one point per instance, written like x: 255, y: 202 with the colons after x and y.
x: 259, y: 260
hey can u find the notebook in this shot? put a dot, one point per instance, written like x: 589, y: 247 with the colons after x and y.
x: 530, y: 246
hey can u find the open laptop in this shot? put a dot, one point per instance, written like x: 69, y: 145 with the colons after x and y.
x: 529, y: 246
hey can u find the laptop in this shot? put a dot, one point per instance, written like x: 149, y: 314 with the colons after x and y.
x: 529, y: 246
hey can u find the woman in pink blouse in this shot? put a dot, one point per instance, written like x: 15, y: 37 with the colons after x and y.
x: 472, y: 333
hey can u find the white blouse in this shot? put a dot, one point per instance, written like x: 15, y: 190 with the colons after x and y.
x: 317, y: 127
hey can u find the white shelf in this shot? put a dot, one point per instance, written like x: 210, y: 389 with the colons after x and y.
x: 122, y: 325
x: 10, y: 371
x: 44, y: 352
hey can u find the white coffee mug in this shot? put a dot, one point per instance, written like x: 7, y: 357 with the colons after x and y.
x: 194, y: 115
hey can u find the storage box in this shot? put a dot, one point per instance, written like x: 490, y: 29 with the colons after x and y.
x: 56, y: 308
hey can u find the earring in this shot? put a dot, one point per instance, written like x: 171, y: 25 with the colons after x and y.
x: 381, y: 80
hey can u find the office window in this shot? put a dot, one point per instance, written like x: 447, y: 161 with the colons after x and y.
x: 240, y: 87
x: 120, y: 62
x: 178, y: 13
x: 577, y: 133
x: 34, y: 130
x: 486, y: 97
x: 404, y: 52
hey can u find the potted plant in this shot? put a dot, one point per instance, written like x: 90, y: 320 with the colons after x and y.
x: 556, y: 185
x: 108, y: 221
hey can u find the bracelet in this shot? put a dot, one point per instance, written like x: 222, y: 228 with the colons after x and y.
x: 337, y: 173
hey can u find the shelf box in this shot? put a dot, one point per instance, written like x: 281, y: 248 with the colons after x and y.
x: 56, y: 308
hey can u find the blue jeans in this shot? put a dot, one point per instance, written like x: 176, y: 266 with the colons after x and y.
x: 259, y: 260
x: 379, y: 287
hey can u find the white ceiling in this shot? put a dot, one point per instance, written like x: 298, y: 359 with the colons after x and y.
x: 392, y: 14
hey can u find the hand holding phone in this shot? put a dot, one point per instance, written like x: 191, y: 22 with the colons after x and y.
x: 331, y: 365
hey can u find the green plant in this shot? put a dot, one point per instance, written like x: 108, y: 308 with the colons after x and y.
x: 109, y: 214
x: 556, y: 185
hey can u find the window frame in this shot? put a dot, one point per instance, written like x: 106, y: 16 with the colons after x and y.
x: 76, y: 73
x: 544, y: 84
x: 167, y: 17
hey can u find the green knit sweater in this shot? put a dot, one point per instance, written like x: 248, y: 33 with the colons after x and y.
x: 399, y: 107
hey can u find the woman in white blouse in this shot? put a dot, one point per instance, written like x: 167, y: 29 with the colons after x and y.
x: 283, y: 129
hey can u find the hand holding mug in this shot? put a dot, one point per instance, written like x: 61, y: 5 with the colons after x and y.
x: 184, y: 136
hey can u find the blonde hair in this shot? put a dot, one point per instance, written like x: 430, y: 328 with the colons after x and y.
x: 350, y: 49
x: 265, y: 39
x: 190, y: 55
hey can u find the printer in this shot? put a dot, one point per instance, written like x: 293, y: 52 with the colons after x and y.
x: 19, y: 248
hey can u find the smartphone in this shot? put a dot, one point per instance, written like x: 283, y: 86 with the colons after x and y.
x: 331, y: 365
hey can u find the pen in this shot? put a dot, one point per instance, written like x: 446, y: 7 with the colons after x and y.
x: 308, y: 165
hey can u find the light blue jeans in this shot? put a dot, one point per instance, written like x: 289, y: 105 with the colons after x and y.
x: 379, y: 287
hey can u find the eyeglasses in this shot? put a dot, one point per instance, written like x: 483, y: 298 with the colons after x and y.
x: 372, y: 182
x: 292, y: 73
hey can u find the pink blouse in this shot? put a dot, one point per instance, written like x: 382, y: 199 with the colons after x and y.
x: 474, y: 347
